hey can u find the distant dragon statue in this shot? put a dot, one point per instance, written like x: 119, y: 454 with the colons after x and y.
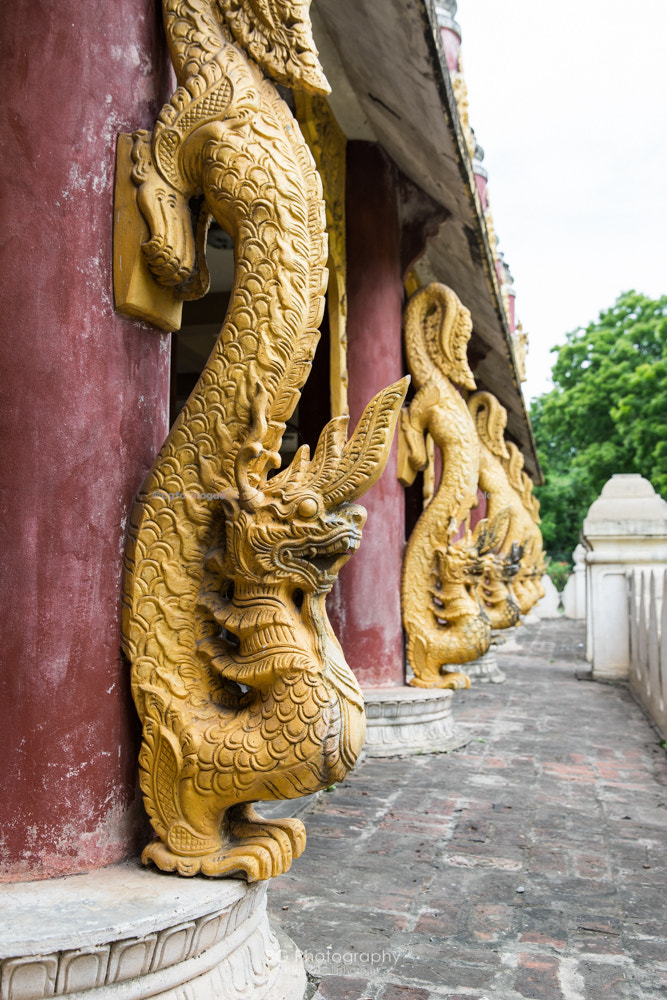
x: 240, y: 684
x: 492, y: 572
x: 520, y: 481
x: 443, y: 621
x: 523, y: 538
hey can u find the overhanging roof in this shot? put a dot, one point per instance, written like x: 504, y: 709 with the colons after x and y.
x: 390, y: 83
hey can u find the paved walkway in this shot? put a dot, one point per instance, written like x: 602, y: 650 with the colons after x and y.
x: 530, y: 864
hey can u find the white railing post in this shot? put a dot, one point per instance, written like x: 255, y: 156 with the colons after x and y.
x: 647, y: 621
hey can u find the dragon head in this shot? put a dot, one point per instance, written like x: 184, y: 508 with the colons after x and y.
x: 495, y: 571
x: 302, y: 525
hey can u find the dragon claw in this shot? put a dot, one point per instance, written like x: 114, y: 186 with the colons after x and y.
x: 450, y: 679
x: 257, y: 848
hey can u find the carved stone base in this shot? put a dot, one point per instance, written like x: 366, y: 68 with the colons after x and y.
x: 407, y: 720
x: 485, y: 670
x: 506, y: 640
x: 127, y: 933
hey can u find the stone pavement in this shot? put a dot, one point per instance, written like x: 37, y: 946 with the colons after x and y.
x: 530, y: 865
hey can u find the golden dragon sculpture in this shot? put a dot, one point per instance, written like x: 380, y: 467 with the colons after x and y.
x: 520, y: 481
x: 443, y: 621
x: 523, y: 540
x: 492, y: 572
x: 240, y: 684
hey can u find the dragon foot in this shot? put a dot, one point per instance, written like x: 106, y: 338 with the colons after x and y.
x: 255, y: 847
x: 429, y: 670
x: 263, y: 848
x: 447, y: 679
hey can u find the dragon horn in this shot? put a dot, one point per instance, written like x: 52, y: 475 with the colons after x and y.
x: 362, y: 460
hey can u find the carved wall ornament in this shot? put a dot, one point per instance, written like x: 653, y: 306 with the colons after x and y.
x: 240, y: 684
x: 522, y: 546
x: 520, y: 345
x: 460, y: 89
x: 442, y: 619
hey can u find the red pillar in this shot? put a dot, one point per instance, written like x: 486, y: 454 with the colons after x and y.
x: 365, y: 607
x: 84, y: 410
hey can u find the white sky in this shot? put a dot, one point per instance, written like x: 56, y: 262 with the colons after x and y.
x: 569, y: 101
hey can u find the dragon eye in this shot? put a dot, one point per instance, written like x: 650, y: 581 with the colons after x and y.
x: 308, y: 507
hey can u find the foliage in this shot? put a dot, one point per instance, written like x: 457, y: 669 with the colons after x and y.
x: 607, y: 413
x: 559, y: 573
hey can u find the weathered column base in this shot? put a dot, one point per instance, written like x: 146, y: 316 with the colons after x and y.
x: 404, y: 720
x: 505, y: 640
x: 128, y: 933
x: 485, y: 669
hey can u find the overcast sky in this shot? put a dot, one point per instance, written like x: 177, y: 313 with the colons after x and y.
x: 569, y: 101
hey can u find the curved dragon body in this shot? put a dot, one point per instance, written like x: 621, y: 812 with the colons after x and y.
x: 442, y: 620
x: 522, y: 547
x: 523, y: 485
x: 520, y: 481
x: 241, y: 686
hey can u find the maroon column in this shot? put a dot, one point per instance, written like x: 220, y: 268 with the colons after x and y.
x: 366, y: 605
x: 84, y: 410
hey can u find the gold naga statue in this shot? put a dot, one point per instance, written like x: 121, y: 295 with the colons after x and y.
x: 495, y: 571
x: 521, y: 482
x: 442, y: 619
x: 522, y: 546
x: 241, y: 686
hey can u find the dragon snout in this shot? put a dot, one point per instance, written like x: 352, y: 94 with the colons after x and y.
x: 352, y: 515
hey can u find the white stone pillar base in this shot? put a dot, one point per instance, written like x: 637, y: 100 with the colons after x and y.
x: 485, y: 669
x: 128, y: 933
x: 530, y: 619
x: 505, y: 640
x: 409, y: 720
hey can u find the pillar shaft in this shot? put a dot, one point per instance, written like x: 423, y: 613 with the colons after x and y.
x: 366, y: 605
x: 85, y: 396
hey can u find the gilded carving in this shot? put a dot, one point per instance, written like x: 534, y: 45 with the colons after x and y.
x: 241, y: 686
x: 328, y: 145
x: 522, y: 546
x: 520, y: 481
x: 494, y: 571
x: 520, y: 351
x: 442, y: 619
x: 460, y: 89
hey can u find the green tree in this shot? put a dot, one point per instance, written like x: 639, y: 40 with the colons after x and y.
x: 607, y: 413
